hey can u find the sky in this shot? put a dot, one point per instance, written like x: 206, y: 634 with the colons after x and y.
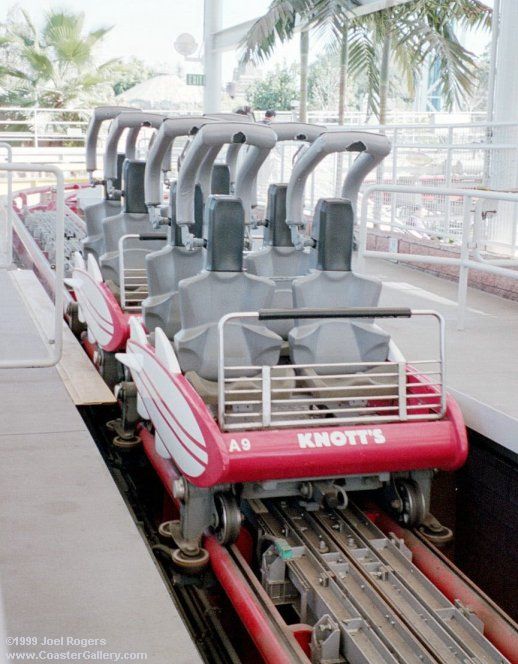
x: 148, y: 29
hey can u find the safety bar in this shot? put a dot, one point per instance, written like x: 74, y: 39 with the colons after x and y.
x: 231, y: 155
x: 56, y: 343
x: 204, y: 175
x: 284, y: 131
x: 349, y: 312
x: 169, y: 131
x: 297, y: 131
x: 393, y: 391
x: 209, y: 139
x: 134, y: 121
x: 373, y: 148
x: 228, y: 117
x: 99, y: 115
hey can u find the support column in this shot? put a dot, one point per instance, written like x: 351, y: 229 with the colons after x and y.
x: 506, y: 71
x: 212, y: 22
x: 504, y: 171
x: 504, y: 163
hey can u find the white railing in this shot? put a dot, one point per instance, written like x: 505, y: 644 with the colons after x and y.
x: 55, y: 344
x: 38, y: 126
x: 6, y: 225
x: 429, y: 155
x: 472, y: 232
x: 291, y: 395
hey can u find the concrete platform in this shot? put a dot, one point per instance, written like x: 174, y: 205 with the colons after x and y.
x: 72, y: 562
x: 481, y: 360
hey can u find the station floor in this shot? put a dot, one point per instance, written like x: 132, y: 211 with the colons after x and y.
x: 481, y: 360
x: 75, y: 574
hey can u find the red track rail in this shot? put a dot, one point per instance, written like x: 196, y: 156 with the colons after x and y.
x: 227, y: 572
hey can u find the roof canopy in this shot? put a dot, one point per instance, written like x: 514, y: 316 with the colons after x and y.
x: 228, y: 38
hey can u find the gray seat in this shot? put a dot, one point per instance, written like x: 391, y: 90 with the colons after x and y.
x: 95, y: 214
x: 279, y: 258
x: 134, y: 219
x: 333, y: 285
x: 220, y: 289
x: 167, y: 267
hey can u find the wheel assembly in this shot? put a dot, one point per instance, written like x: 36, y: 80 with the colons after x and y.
x: 434, y: 531
x: 411, y: 504
x: 190, y: 564
x: 227, y: 517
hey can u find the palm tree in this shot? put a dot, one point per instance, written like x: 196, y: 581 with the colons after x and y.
x: 406, y: 36
x: 52, y: 67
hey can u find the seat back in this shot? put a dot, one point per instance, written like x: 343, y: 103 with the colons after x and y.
x: 220, y: 289
x: 278, y: 259
x: 132, y: 220
x: 166, y: 267
x: 95, y: 214
x: 220, y: 179
x: 332, y: 284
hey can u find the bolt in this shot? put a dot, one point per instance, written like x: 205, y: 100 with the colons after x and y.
x: 179, y: 488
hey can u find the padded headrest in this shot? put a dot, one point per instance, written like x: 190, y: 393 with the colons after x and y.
x: 277, y: 232
x: 220, y: 179
x: 332, y: 230
x: 225, y: 223
x: 197, y: 228
x: 117, y: 182
x: 133, y: 176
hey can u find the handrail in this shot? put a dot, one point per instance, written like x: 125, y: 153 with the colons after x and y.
x: 6, y: 256
x: 138, y: 277
x: 266, y: 395
x: 55, y: 343
x: 464, y: 262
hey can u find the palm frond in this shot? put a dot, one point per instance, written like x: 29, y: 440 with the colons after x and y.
x: 364, y: 59
x: 278, y: 23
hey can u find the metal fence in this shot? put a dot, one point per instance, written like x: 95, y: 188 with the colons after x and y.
x: 429, y: 152
x: 43, y: 127
x: 7, y: 220
x: 475, y: 233
x: 474, y: 155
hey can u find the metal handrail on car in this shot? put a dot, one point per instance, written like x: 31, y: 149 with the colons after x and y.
x: 134, y: 278
x: 410, y: 387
